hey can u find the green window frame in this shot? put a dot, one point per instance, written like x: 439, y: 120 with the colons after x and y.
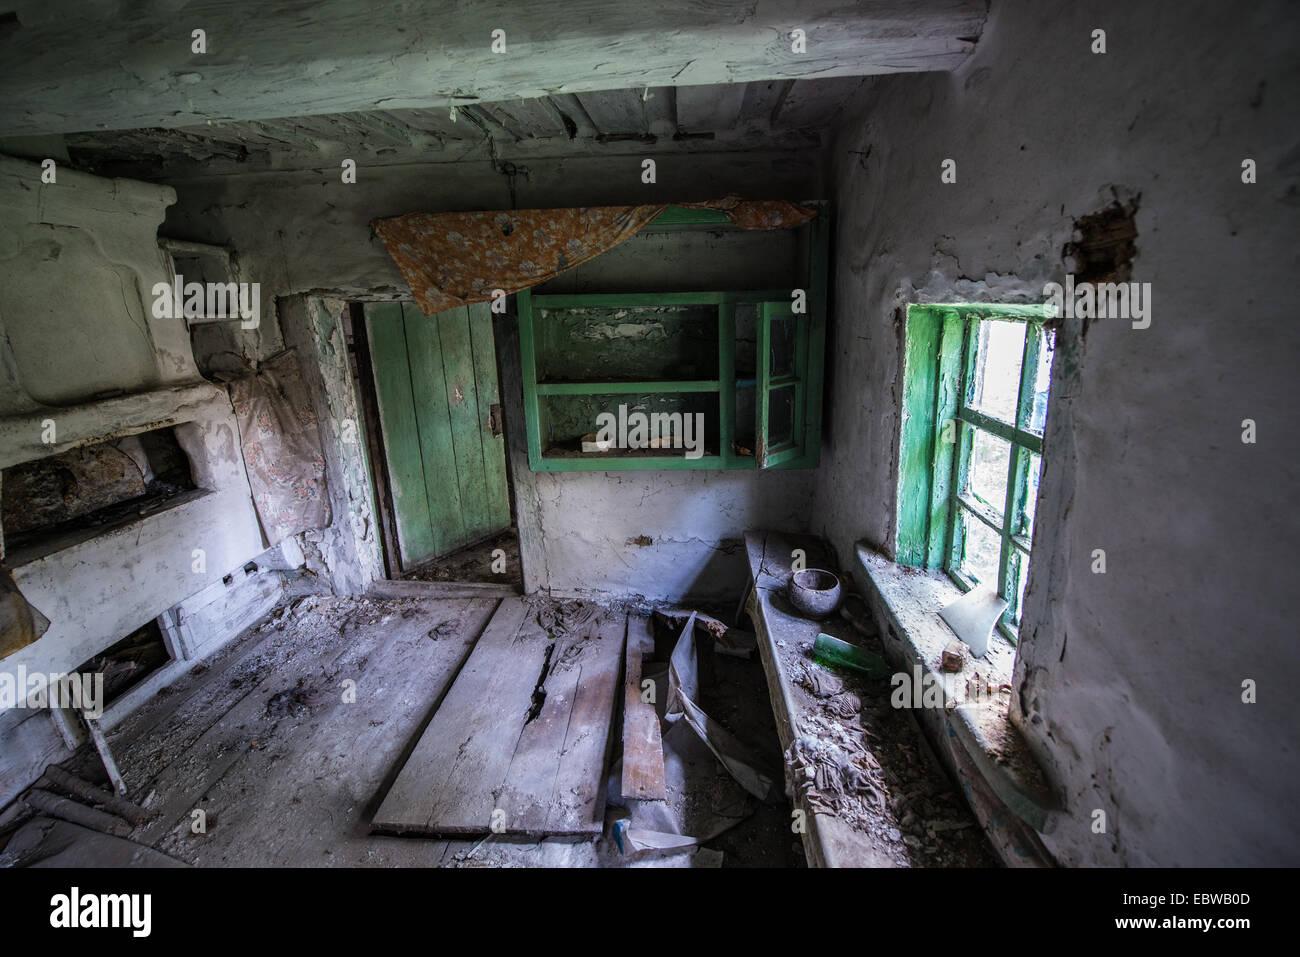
x: 939, y: 496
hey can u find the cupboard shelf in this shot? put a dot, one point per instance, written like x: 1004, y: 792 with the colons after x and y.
x: 628, y: 388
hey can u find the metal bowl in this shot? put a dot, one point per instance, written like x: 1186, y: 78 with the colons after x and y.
x: 814, y: 592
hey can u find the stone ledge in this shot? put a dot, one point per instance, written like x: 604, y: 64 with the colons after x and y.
x: 975, y: 699
x: 104, y: 420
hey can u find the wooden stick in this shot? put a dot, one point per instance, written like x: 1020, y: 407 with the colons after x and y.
x: 69, y: 728
x: 56, y: 806
x: 643, y: 756
x: 123, y: 808
x: 105, y: 755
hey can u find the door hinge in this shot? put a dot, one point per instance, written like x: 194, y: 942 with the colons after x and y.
x: 494, y: 418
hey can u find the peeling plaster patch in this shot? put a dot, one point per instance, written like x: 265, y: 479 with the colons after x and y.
x: 1104, y: 243
x: 625, y: 330
x: 946, y: 282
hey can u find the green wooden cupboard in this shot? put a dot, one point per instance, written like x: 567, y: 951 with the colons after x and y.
x: 749, y: 361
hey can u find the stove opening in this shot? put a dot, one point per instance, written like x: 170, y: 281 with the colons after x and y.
x: 57, y: 501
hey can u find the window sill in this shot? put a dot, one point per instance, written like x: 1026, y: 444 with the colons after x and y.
x: 976, y: 699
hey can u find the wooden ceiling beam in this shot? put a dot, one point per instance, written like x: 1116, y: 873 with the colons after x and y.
x: 72, y: 66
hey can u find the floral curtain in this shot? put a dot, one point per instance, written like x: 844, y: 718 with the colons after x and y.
x: 452, y: 259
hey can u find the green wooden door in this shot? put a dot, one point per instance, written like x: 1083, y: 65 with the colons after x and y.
x: 436, y: 382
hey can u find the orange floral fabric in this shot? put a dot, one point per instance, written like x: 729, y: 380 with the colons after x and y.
x: 452, y: 259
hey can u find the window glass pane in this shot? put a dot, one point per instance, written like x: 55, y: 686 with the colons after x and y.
x: 1025, y: 524
x: 746, y: 340
x: 1042, y: 380
x: 986, y: 478
x: 980, y: 549
x: 1017, y: 571
x: 781, y: 347
x: 780, y: 417
x: 995, y: 387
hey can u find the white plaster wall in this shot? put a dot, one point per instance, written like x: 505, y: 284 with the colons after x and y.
x: 100, y: 590
x: 1129, y: 683
x: 695, y: 520
x: 80, y: 258
x: 70, y: 337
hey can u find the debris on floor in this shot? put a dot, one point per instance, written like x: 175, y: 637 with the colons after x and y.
x: 856, y: 764
x: 258, y: 739
x: 719, y: 787
x: 727, y: 640
x: 494, y: 561
x: 866, y: 762
x: 56, y: 778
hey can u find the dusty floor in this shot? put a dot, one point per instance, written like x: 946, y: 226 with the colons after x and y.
x: 476, y: 563
x: 278, y: 751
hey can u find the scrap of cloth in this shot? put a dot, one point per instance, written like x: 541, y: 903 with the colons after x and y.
x: 21, y: 623
x: 282, y: 448
x: 453, y: 259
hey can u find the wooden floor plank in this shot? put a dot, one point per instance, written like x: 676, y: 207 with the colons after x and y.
x: 498, y: 758
x: 530, y: 781
x: 333, y: 763
x: 433, y: 590
x: 229, y: 736
x: 556, y: 777
x: 471, y: 798
x: 472, y: 736
x: 643, y: 753
x: 579, y: 796
x: 209, y: 690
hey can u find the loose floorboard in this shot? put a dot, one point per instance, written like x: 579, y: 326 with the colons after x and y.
x: 519, y: 744
x: 364, y: 706
x: 643, y: 750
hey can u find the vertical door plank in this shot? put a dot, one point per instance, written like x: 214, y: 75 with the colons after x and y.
x: 494, y: 446
x: 433, y: 418
x: 389, y: 362
x: 466, y: 431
